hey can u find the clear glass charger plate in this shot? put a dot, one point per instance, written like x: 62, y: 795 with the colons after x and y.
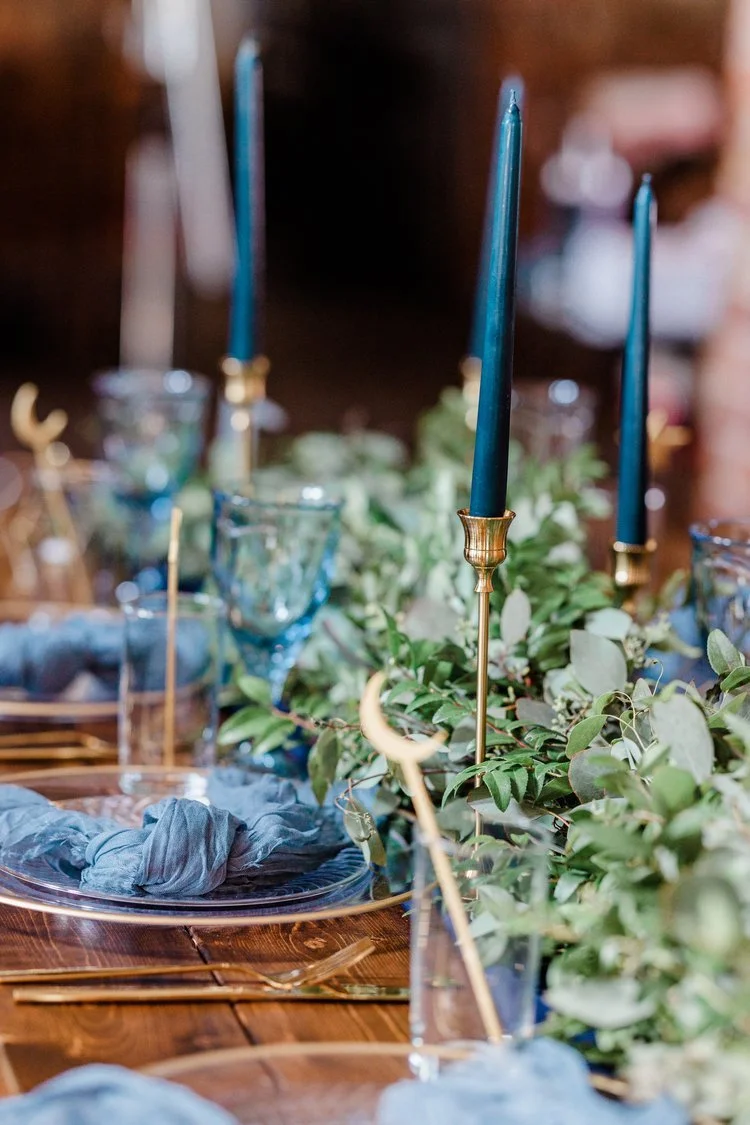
x: 346, y: 886
x: 292, y: 1083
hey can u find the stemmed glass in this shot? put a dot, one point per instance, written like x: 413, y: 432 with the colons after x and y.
x: 273, y: 559
x: 152, y: 426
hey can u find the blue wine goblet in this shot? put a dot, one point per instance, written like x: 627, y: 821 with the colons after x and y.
x: 273, y: 560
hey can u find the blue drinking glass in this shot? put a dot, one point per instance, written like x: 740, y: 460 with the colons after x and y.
x: 273, y: 560
x: 721, y: 578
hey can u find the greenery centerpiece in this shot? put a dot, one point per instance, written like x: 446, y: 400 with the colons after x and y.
x: 642, y: 781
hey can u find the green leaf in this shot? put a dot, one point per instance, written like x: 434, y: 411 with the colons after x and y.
x: 583, y: 733
x: 361, y: 829
x: 681, y: 726
x: 609, y: 622
x: 585, y: 773
x: 603, y: 1003
x: 598, y: 663
x: 449, y: 713
x: 672, y: 789
x: 499, y: 785
x: 722, y: 655
x: 249, y: 722
x: 737, y: 678
x: 255, y: 688
x: 322, y: 763
x: 515, y: 618
x: 274, y: 736
x: 534, y: 713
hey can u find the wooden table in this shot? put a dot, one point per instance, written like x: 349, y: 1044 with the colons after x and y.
x: 40, y: 1041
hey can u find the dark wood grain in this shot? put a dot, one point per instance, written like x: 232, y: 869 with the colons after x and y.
x: 42, y: 1041
x: 285, y: 946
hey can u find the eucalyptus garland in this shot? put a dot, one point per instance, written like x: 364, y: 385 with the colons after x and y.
x: 643, y: 782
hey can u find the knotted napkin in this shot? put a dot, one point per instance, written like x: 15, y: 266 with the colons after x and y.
x: 543, y: 1081
x: 91, y: 1095
x: 256, y: 830
x: 45, y: 660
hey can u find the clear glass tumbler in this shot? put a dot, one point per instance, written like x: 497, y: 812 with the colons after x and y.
x: 503, y: 882
x: 198, y: 661
x: 721, y: 578
x: 273, y: 560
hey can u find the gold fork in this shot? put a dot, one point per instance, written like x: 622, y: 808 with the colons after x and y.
x: 54, y: 745
x: 312, y: 973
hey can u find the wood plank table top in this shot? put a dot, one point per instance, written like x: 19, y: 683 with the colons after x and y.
x: 41, y: 1041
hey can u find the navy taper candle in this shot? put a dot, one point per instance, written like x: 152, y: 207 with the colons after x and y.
x: 490, y: 473
x: 476, y: 340
x: 249, y: 206
x: 633, y: 464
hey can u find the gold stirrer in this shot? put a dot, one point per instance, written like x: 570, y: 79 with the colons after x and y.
x: 173, y: 562
x: 38, y: 437
x: 408, y: 754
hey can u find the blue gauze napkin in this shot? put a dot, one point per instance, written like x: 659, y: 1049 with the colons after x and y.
x: 183, y: 847
x: 543, y: 1081
x: 110, y: 1095
x: 44, y: 661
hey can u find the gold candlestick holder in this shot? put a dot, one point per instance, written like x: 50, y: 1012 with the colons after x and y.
x: 485, y: 548
x: 244, y: 386
x: 631, y: 570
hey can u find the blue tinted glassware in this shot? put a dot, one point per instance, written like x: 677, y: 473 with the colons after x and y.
x: 273, y: 561
x: 152, y: 426
x: 721, y: 578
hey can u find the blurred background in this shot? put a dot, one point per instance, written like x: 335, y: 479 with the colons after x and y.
x: 115, y: 200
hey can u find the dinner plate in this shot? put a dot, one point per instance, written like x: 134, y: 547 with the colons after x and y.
x: 350, y: 887
x: 291, y: 1083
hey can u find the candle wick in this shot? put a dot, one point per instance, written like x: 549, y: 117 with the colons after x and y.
x: 512, y: 101
x: 646, y: 179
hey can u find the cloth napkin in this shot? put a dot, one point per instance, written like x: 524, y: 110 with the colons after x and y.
x: 543, y: 1081
x: 183, y: 848
x: 110, y: 1095
x: 46, y: 660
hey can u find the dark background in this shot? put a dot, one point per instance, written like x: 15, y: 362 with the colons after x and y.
x: 379, y: 116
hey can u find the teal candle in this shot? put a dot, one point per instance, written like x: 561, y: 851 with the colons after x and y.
x: 633, y: 467
x: 490, y: 474
x: 247, y: 293
x: 476, y: 340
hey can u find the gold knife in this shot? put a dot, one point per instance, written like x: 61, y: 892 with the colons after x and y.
x: 91, y: 994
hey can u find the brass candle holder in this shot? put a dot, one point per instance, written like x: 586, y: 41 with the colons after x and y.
x: 485, y: 548
x: 631, y: 570
x: 244, y: 386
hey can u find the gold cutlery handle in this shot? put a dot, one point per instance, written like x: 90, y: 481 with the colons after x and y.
x: 206, y: 994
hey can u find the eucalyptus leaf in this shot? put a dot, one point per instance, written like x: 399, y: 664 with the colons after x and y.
x: 609, y: 622
x: 681, y: 726
x: 722, y: 655
x: 583, y: 733
x: 600, y: 1003
x: 515, y: 617
x: 598, y: 663
x: 534, y: 713
x: 585, y: 773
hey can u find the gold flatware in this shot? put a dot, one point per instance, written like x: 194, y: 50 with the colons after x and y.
x: 312, y: 973
x: 54, y: 745
x: 209, y: 993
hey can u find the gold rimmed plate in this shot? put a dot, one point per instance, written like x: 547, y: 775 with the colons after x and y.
x: 289, y: 1083
x: 93, y: 788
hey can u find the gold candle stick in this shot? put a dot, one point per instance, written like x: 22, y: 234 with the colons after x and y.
x: 244, y: 385
x: 38, y: 436
x: 408, y: 754
x: 173, y: 563
x: 485, y: 547
x: 631, y: 570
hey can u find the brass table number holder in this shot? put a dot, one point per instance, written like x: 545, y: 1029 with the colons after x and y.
x: 244, y: 386
x: 631, y: 570
x: 485, y: 548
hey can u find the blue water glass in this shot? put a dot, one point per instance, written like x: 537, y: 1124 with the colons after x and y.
x: 721, y: 578
x: 273, y: 560
x: 152, y: 426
